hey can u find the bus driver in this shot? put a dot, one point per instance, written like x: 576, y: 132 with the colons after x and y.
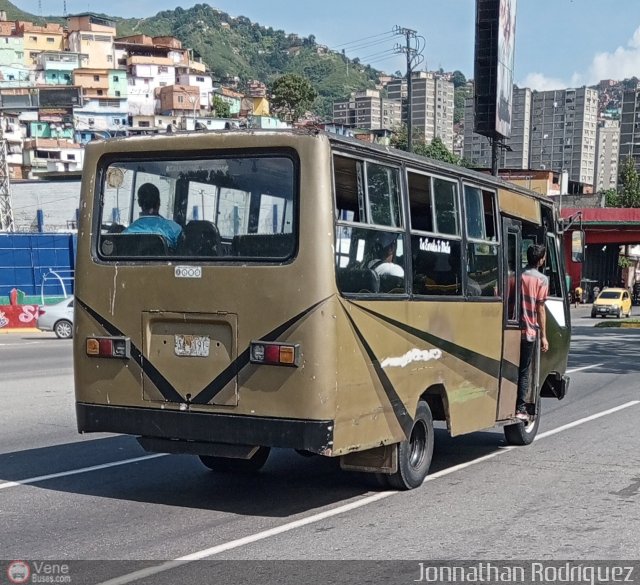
x: 150, y: 220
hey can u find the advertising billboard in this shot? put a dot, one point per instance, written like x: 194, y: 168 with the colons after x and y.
x: 504, y: 78
x: 493, y: 67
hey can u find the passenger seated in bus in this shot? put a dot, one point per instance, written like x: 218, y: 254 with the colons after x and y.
x: 384, y: 252
x: 150, y: 220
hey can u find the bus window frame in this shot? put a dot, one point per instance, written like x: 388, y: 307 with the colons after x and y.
x: 431, y: 175
x: 338, y: 223
x: 107, y: 159
x: 498, y: 242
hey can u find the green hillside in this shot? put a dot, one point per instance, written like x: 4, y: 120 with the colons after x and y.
x: 244, y: 49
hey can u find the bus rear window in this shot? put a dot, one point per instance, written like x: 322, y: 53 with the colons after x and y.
x: 216, y: 208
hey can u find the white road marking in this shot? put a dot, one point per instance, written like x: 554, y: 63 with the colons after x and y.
x: 40, y: 478
x: 586, y: 419
x: 215, y: 550
x: 574, y: 370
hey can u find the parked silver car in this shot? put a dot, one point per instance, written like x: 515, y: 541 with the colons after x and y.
x: 57, y: 318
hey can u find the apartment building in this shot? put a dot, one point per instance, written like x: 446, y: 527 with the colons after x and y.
x: 93, y: 35
x: 431, y: 107
x: 39, y: 38
x: 57, y: 67
x: 564, y: 131
x: 515, y: 154
x: 630, y: 127
x: 607, y: 154
x: 12, y: 68
x: 368, y: 110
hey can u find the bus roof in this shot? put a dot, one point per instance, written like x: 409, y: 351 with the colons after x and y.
x: 354, y: 145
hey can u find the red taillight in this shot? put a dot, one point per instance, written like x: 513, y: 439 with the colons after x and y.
x: 274, y: 354
x: 108, y: 347
x: 41, y: 311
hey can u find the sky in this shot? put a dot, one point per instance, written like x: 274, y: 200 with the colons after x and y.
x: 559, y: 43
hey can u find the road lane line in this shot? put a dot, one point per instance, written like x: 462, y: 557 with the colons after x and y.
x: 573, y: 370
x: 214, y: 550
x: 9, y: 484
x: 586, y: 419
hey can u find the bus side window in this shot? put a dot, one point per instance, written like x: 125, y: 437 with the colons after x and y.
x: 482, y: 251
x: 420, y: 202
x: 552, y: 268
x: 513, y: 295
x: 349, y: 189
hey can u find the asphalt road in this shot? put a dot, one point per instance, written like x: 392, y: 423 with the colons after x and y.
x: 573, y: 494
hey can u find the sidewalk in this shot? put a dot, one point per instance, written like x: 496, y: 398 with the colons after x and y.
x: 7, y: 330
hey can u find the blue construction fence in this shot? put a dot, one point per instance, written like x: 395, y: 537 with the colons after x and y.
x: 37, y: 265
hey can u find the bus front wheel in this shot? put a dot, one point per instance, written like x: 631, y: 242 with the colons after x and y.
x: 229, y: 465
x: 414, y: 455
x: 523, y: 433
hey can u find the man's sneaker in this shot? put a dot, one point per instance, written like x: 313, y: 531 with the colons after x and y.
x: 522, y: 414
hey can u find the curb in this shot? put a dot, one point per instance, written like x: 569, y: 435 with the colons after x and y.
x: 20, y: 330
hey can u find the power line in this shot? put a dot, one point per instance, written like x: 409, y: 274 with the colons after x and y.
x: 366, y: 45
x: 390, y: 52
x: 391, y: 33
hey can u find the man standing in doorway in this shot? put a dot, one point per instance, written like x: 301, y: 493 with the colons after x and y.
x: 535, y: 288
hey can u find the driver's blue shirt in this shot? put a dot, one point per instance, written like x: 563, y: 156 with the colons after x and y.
x: 156, y: 224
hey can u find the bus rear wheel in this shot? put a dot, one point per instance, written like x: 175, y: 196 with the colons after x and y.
x: 230, y: 465
x: 523, y: 433
x: 414, y: 455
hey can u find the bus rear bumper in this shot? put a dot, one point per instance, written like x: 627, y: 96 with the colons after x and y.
x: 315, y: 436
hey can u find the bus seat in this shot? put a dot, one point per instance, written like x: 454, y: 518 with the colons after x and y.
x: 116, y: 228
x: 133, y: 245
x: 263, y: 245
x: 391, y: 284
x: 200, y: 238
x: 358, y: 280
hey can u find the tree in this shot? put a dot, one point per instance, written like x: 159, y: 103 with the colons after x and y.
x: 436, y: 150
x: 458, y: 79
x: 460, y: 96
x: 439, y: 151
x: 220, y: 108
x: 629, y: 184
x: 611, y: 198
x: 292, y: 96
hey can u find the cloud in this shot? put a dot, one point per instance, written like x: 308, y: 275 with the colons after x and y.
x: 620, y: 64
x: 623, y: 63
x: 540, y: 82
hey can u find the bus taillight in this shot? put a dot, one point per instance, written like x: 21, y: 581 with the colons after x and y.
x: 109, y: 347
x: 275, y: 354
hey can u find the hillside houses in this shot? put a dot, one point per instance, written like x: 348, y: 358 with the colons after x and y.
x: 62, y: 86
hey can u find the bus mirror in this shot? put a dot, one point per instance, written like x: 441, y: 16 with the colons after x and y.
x: 577, y: 246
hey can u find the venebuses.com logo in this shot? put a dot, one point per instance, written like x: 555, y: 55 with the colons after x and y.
x: 18, y: 572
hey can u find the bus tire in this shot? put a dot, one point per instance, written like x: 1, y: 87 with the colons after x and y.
x: 522, y: 434
x: 230, y: 465
x: 414, y: 455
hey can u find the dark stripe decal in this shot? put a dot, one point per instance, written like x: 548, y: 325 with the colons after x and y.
x: 405, y: 421
x: 510, y: 371
x: 161, y: 383
x: 208, y: 393
x: 481, y: 362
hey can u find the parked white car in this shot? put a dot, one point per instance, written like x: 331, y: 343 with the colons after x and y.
x: 57, y: 318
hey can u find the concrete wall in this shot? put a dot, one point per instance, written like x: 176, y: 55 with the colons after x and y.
x: 57, y: 199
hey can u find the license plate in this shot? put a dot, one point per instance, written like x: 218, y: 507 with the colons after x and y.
x: 192, y: 345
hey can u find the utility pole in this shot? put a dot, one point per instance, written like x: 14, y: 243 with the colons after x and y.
x: 495, y: 155
x: 413, y: 51
x: 6, y: 210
